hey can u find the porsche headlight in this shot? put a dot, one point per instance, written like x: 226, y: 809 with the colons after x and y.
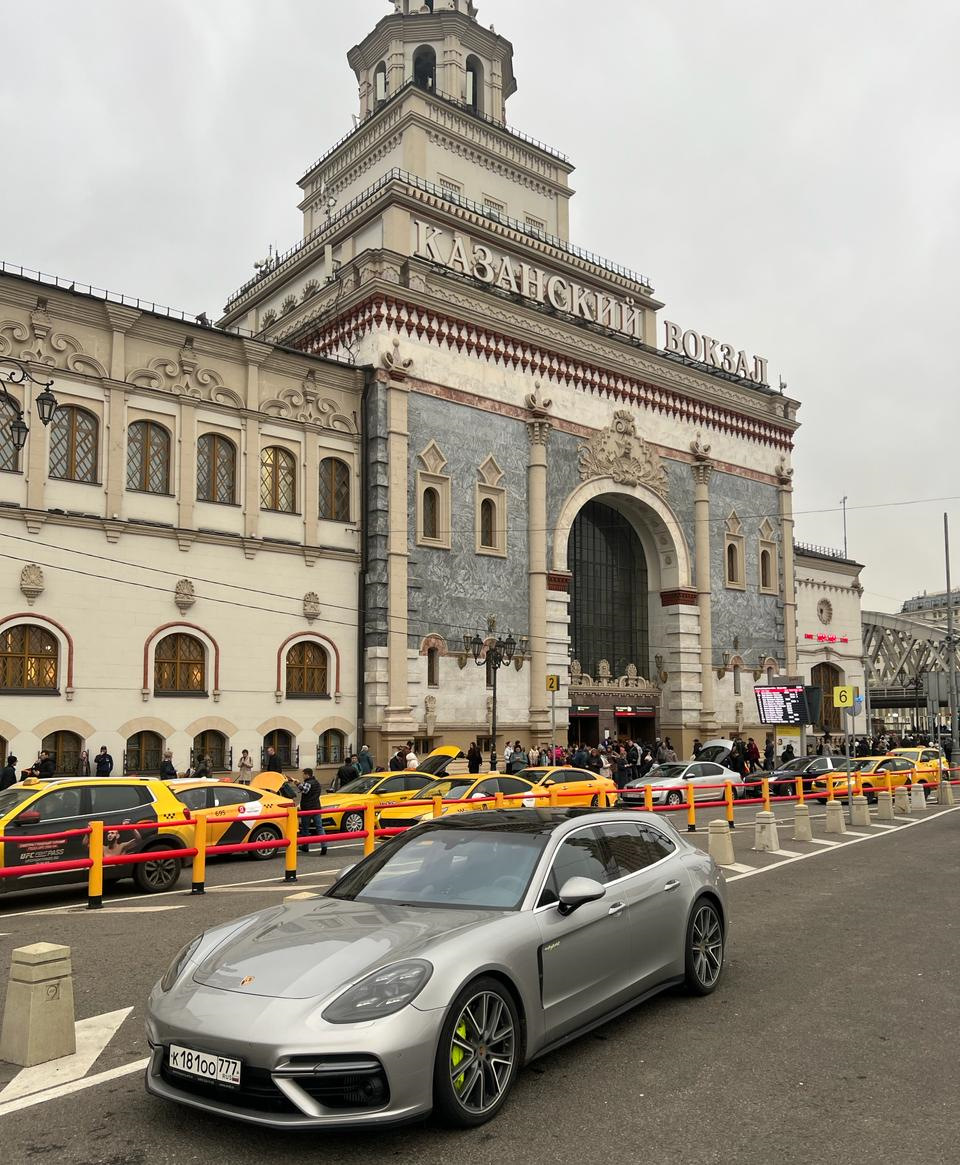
x: 381, y: 993
x: 180, y: 960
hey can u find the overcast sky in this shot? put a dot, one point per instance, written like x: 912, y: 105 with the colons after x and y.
x: 787, y: 176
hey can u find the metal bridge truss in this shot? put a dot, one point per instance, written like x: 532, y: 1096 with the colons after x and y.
x: 900, y: 651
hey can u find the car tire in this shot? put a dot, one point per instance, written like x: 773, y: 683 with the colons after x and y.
x: 594, y: 801
x: 461, y: 1100
x: 157, y: 876
x: 705, y: 948
x: 352, y: 823
x: 675, y: 798
x: 260, y: 834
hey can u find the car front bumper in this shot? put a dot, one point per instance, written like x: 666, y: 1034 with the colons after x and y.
x: 324, y: 1076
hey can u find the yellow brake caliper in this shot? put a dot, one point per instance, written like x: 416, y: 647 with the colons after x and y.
x: 457, y: 1054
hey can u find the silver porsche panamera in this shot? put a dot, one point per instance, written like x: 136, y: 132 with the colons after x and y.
x: 428, y: 974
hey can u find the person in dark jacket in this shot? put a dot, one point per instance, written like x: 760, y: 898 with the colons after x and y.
x: 8, y: 776
x: 168, y: 770
x: 365, y: 761
x: 474, y: 759
x: 581, y: 758
x: 311, y: 817
x: 47, y: 766
x: 273, y: 762
x: 398, y: 762
x: 83, y: 764
x: 103, y: 762
x: 347, y: 772
x: 204, y: 769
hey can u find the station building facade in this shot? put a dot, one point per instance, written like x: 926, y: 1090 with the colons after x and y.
x: 545, y: 452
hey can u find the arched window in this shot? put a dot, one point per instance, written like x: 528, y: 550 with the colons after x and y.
x: 148, y: 458
x: 65, y: 748
x: 143, y: 754
x: 380, y: 89
x: 731, y: 563
x: 28, y: 659
x: 765, y: 570
x: 431, y: 513
x: 282, y: 744
x: 9, y: 453
x: 179, y: 667
x: 216, y: 469
x: 74, y: 440
x: 474, y: 93
x: 307, y: 671
x: 330, y: 748
x: 334, y: 490
x: 425, y: 68
x: 433, y: 667
x: 278, y: 480
x: 488, y: 524
x: 213, y: 745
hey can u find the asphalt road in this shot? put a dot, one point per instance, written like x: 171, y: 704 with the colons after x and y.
x: 833, y: 1036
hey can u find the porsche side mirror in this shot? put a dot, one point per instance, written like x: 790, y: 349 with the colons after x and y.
x: 576, y: 892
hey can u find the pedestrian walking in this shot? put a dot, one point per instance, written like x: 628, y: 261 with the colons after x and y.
x: 245, y: 768
x: 103, y: 762
x: 273, y: 761
x: 83, y: 764
x: 347, y: 772
x: 474, y: 759
x: 670, y: 753
x: 768, y: 755
x: 8, y: 776
x: 518, y: 760
x: 311, y: 816
x: 168, y: 770
x: 507, y: 754
x: 365, y: 761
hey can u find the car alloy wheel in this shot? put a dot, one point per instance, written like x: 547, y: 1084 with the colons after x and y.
x: 158, y: 875
x: 352, y: 823
x: 705, y: 951
x: 261, y: 834
x: 594, y: 802
x: 478, y: 1055
x: 674, y: 798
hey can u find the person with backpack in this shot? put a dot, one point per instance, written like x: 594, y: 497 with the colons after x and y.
x: 311, y: 819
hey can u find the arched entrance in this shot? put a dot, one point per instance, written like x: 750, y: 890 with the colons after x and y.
x: 826, y: 677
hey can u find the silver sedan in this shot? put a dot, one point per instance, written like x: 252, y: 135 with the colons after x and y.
x: 430, y: 973
x: 669, y: 783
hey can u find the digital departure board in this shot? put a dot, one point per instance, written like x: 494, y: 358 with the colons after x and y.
x: 782, y: 705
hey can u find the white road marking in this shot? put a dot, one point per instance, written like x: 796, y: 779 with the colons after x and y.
x: 93, y: 1035
x: 739, y: 868
x: 785, y: 853
x: 115, y: 909
x: 859, y: 839
x: 824, y: 841
x: 882, y: 825
x: 73, y: 1086
x: 853, y: 833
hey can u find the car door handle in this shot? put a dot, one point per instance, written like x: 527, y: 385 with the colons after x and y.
x: 617, y: 908
x: 671, y: 885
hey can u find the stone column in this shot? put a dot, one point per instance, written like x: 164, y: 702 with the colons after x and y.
x: 702, y: 469
x: 538, y: 432
x: 187, y: 476
x: 789, y: 592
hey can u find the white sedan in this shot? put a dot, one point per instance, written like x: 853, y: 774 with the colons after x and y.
x: 669, y: 783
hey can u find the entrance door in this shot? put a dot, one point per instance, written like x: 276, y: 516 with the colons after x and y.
x: 585, y: 730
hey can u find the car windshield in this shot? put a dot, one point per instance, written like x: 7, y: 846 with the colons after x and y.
x: 450, y: 789
x: 670, y: 770
x: 11, y: 798
x: 485, y: 868
x: 362, y: 784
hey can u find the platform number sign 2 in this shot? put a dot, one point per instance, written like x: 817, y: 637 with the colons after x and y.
x: 553, y: 683
x: 843, y: 697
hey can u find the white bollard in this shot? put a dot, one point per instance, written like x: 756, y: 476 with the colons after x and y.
x: 902, y: 800
x: 38, y: 1018
x: 860, y: 813
x: 918, y: 800
x: 884, y: 806
x: 946, y: 794
x: 835, y: 821
x: 720, y: 842
x: 802, y: 830
x: 765, y: 837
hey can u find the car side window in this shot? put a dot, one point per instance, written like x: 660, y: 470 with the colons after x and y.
x: 232, y: 796
x: 659, y: 844
x: 627, y: 847
x: 192, y: 798
x: 580, y: 856
x: 393, y: 785
x: 58, y: 805
x: 117, y: 798
x: 819, y: 766
x: 512, y: 785
x: 710, y: 770
x: 413, y: 784
x: 930, y: 755
x: 487, y: 788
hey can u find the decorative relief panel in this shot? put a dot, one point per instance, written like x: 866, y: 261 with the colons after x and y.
x: 185, y: 377
x: 619, y: 452
x: 40, y: 343
x: 31, y: 582
x: 306, y: 404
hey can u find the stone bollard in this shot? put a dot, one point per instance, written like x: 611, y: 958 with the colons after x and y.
x: 765, y: 837
x: 835, y: 822
x: 946, y: 794
x: 720, y: 842
x: 902, y: 800
x: 884, y: 806
x: 860, y: 812
x: 38, y: 1018
x: 802, y: 830
x: 918, y: 799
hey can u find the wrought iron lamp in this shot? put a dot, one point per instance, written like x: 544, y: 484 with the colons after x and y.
x: 498, y: 654
x: 46, y: 402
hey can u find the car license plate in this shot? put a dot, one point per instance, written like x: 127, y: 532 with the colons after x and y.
x: 200, y: 1065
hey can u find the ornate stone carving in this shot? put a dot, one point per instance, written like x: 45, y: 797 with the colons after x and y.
x: 184, y: 595
x: 306, y: 405
x: 784, y: 472
x: 824, y: 610
x: 535, y: 401
x: 618, y: 452
x: 603, y: 669
x: 311, y: 606
x: 605, y: 680
x: 430, y: 713
x: 40, y: 343
x: 394, y: 363
x: 699, y: 448
x: 31, y: 582
x: 186, y: 378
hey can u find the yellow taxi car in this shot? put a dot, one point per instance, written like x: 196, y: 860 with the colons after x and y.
x: 37, y: 809
x: 222, y: 799
x: 926, y: 762
x: 871, y: 771
x: 478, y: 792
x: 343, y: 810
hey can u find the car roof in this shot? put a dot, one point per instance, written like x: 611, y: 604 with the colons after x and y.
x: 544, y: 821
x: 59, y: 782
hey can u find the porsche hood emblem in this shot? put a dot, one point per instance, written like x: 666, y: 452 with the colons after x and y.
x: 247, y: 981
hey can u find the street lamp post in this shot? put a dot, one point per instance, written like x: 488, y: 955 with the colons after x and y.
x: 496, y: 655
x: 46, y: 402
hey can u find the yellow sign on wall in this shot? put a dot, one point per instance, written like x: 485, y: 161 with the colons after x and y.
x: 553, y: 683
